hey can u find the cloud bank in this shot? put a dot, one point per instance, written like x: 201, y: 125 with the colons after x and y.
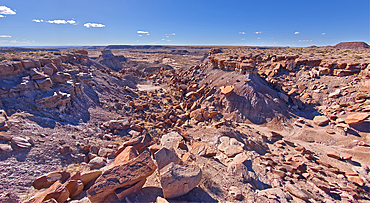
x: 297, y: 33
x: 5, y: 36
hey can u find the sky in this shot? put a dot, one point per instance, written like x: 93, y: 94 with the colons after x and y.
x: 183, y: 22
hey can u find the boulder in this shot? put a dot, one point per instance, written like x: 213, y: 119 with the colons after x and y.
x: 125, y: 156
x: 333, y: 155
x: 6, y: 148
x: 74, y: 185
x: 126, y: 175
x: 43, y: 83
x: 139, y: 143
x: 235, y: 192
x: 22, y: 142
x: 230, y: 146
x: 88, y: 176
x: 165, y: 156
x: 6, y: 69
x: 60, y: 77
x: 356, y: 118
x: 3, y: 120
x: 291, y: 65
x: 27, y: 64
x: 171, y: 140
x: 96, y: 162
x: 56, y: 191
x: 117, y: 124
x: 336, y: 93
x: 46, y: 180
x: 197, y: 114
x: 121, y: 193
x: 177, y: 180
x: 296, y: 192
x: 203, y: 149
x: 320, y: 120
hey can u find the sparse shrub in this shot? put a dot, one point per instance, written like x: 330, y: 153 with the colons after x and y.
x: 2, y: 58
x: 358, y: 57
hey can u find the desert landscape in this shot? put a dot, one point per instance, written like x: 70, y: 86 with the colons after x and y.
x: 156, y: 123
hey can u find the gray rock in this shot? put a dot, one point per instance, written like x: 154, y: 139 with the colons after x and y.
x: 96, y: 162
x: 296, y: 192
x: 6, y: 148
x: 165, y: 156
x: 22, y: 142
x: 171, y: 140
x: 177, y: 180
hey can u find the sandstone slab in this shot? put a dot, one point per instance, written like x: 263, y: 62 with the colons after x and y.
x: 46, y: 180
x: 230, y: 146
x: 120, y: 176
x: 6, y: 148
x: 125, y: 156
x: 177, y: 180
x: 56, y: 191
x: 296, y: 192
x: 356, y: 118
x: 320, y: 120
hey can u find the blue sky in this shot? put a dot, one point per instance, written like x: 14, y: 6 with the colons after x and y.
x: 175, y: 22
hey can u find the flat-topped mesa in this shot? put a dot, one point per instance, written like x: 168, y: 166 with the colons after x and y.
x: 352, y: 45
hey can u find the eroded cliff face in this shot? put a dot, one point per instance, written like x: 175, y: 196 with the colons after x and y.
x: 109, y: 60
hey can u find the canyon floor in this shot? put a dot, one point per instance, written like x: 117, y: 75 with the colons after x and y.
x: 184, y: 124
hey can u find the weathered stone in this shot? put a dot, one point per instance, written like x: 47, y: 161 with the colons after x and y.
x: 227, y: 90
x: 230, y: 146
x: 161, y: 200
x: 177, y: 180
x: 335, y: 93
x: 357, y: 180
x: 120, y: 176
x: 61, y: 77
x: 121, y: 193
x: 320, y: 120
x: 74, y: 187
x: 106, y: 152
x: 65, y: 149
x: 88, y: 176
x: 235, y: 192
x: 6, y: 69
x: 117, y: 124
x: 22, y: 142
x: 46, y: 180
x: 96, y: 162
x: 3, y: 120
x: 44, y: 83
x: 356, y: 118
x: 283, y: 97
x: 296, y: 192
x: 165, y: 156
x: 139, y: 143
x: 203, y: 149
x: 6, y: 148
x: 197, y: 114
x: 154, y: 148
x: 56, y: 191
x: 125, y: 156
x: 171, y: 140
x: 5, y: 136
x: 333, y: 155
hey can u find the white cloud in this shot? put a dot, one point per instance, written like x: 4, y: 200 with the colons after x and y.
x: 18, y: 42
x: 37, y: 20
x: 297, y: 33
x: 5, y: 36
x: 305, y: 40
x: 88, y: 25
x: 241, y: 33
x: 140, y: 35
x: 168, y: 40
x: 243, y: 39
x: 323, y: 33
x: 142, y: 32
x: 258, y: 32
x: 173, y: 34
x: 73, y: 22
x: 147, y: 34
x: 6, y: 11
x: 1, y: 16
x: 163, y: 39
x: 258, y: 38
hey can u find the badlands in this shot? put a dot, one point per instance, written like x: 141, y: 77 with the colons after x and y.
x: 185, y: 124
